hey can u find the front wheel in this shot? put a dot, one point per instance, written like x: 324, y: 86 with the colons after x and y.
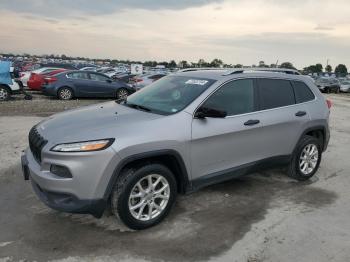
x: 142, y: 197
x: 122, y: 94
x: 306, y: 159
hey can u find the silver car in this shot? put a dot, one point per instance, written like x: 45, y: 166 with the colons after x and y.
x: 181, y: 133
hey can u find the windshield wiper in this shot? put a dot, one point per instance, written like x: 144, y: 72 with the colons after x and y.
x: 140, y: 107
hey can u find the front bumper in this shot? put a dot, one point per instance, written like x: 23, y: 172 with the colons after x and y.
x: 84, y: 192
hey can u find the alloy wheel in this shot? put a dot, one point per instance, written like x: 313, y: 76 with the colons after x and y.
x: 65, y: 94
x: 308, y: 159
x: 122, y: 94
x: 149, y: 197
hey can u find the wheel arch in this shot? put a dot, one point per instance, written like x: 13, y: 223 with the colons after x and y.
x: 318, y: 132
x: 7, y: 87
x: 170, y: 158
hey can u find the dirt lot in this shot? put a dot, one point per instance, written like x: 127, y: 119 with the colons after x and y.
x: 262, y: 217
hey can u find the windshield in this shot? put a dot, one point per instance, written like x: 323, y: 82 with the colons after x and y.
x: 169, y: 95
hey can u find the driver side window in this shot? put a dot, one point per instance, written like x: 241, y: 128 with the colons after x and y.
x: 235, y: 98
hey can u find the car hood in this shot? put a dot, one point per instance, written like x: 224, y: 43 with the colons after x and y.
x: 93, y: 122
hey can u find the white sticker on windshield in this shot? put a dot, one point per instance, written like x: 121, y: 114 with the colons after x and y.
x: 196, y: 82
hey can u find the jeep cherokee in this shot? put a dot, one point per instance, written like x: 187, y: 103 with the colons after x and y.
x: 185, y: 131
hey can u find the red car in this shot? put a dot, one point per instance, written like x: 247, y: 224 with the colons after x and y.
x: 36, y: 81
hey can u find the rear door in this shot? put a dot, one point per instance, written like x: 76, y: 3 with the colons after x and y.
x: 80, y: 81
x: 283, y: 119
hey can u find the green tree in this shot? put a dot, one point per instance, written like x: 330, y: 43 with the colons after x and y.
x: 184, y: 64
x: 238, y: 66
x: 319, y: 68
x: 287, y: 65
x: 341, y: 70
x: 329, y: 69
x: 216, y: 63
x: 172, y: 64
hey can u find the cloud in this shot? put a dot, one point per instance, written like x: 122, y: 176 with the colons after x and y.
x: 64, y: 8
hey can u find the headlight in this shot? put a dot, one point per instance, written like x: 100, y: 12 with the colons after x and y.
x: 87, y: 146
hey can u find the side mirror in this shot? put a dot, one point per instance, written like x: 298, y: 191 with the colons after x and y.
x: 109, y: 80
x: 204, y: 112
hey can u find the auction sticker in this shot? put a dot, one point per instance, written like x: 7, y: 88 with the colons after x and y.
x: 196, y: 82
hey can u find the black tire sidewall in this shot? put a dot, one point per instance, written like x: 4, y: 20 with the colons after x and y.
x: 123, y: 207
x: 307, y: 140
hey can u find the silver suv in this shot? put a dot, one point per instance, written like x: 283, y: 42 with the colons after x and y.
x: 183, y: 132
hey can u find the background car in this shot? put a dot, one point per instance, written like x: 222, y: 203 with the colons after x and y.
x: 70, y: 84
x: 345, y: 86
x: 36, y: 81
x: 144, y: 80
x: 25, y: 76
x: 328, y: 85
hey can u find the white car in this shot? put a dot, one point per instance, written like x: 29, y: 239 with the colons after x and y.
x: 345, y: 86
x: 24, y: 76
x: 7, y: 90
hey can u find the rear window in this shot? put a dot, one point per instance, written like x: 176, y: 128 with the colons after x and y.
x: 302, y: 92
x: 275, y: 93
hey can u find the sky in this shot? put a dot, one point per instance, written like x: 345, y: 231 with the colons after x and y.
x: 303, y: 32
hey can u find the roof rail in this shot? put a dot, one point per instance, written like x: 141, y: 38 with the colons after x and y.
x: 199, y: 69
x: 262, y: 69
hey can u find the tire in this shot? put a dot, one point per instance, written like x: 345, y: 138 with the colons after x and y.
x: 65, y: 93
x: 5, y: 94
x: 296, y: 168
x: 122, y: 94
x: 128, y: 184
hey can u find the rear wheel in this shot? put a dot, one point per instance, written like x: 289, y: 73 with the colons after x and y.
x: 4, y: 93
x: 65, y: 93
x: 143, y: 197
x: 306, y: 159
x: 122, y: 94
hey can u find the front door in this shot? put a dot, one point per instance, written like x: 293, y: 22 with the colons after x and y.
x: 220, y: 144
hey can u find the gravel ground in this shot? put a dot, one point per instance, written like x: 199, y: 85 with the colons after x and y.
x: 262, y: 217
x: 41, y: 105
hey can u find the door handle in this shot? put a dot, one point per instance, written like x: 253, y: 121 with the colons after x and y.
x: 300, y: 113
x: 252, y: 122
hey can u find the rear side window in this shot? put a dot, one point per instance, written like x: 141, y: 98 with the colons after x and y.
x: 78, y: 75
x: 236, y: 97
x: 302, y: 92
x: 275, y: 93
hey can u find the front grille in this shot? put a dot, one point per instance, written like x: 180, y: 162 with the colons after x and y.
x: 36, y: 143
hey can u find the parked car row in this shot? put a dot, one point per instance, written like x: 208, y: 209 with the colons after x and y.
x: 333, y: 85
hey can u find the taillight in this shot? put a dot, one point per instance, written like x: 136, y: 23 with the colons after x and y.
x: 329, y: 103
x: 32, y: 75
x: 49, y: 80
